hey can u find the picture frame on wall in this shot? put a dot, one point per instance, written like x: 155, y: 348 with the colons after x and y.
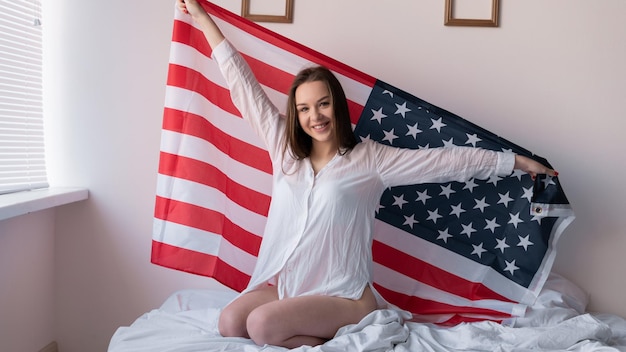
x: 487, y: 19
x: 270, y: 10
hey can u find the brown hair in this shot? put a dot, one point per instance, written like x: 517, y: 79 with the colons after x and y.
x: 297, y: 141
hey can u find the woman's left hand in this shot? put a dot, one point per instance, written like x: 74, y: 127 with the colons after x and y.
x: 532, y: 167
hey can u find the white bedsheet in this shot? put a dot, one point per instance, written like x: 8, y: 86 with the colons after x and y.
x: 187, y: 322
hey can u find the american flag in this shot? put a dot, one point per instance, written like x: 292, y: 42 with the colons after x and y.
x: 448, y: 253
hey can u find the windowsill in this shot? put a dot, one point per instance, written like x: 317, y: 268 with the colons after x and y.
x: 20, y: 203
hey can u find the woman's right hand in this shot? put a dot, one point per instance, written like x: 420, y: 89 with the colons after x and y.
x: 212, y: 33
x: 191, y: 7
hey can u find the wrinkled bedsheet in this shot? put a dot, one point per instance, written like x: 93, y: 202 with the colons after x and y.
x: 187, y: 322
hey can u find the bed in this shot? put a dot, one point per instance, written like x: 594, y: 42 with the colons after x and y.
x: 558, y: 321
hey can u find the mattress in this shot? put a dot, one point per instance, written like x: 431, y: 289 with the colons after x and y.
x: 187, y: 322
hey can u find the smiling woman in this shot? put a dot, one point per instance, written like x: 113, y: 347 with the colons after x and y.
x: 326, y: 189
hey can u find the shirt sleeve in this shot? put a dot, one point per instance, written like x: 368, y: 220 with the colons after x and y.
x: 400, y: 166
x: 249, y: 97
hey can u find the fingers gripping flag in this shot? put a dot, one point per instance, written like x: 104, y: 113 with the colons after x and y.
x: 446, y: 252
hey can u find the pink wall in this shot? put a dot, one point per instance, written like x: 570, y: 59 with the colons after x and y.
x: 27, y: 282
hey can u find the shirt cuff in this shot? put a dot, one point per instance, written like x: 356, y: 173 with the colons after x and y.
x: 505, y: 163
x: 223, y: 51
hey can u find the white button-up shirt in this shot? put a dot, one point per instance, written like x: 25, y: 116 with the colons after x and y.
x: 319, y: 230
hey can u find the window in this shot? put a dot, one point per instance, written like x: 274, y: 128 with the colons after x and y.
x: 22, y: 163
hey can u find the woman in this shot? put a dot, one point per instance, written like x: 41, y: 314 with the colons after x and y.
x: 313, y: 273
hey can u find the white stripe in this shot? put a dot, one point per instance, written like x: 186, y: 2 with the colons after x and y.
x: 398, y: 282
x: 237, y: 258
x: 186, y: 237
x: 186, y: 100
x: 210, y: 198
x: 197, y: 240
x: 548, y: 260
x: 199, y: 149
x: 187, y: 56
x: 448, y: 261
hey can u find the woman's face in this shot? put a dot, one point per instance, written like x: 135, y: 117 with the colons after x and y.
x: 316, y: 113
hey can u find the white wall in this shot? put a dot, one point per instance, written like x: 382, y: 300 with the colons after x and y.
x: 551, y: 79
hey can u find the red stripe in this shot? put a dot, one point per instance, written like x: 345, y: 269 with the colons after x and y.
x: 187, y: 34
x: 198, y: 126
x: 251, y: 28
x: 199, y: 264
x: 208, y: 220
x: 207, y: 174
x: 355, y: 111
x: 430, y: 274
x: 269, y: 75
x: 422, y: 306
x: 187, y: 78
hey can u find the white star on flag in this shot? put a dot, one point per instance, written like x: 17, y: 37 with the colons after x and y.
x: 402, y: 109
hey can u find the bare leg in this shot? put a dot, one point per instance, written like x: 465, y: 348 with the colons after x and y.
x: 232, y: 320
x: 306, y: 320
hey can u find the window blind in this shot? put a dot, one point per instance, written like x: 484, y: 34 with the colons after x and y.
x: 22, y: 163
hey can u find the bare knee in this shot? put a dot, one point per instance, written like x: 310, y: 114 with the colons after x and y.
x: 231, y: 324
x: 260, y: 328
x: 232, y: 320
